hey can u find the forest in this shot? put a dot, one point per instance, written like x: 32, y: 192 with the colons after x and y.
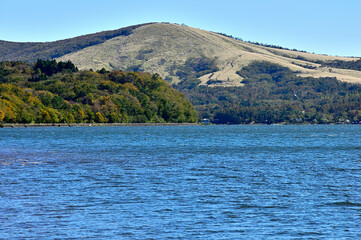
x: 56, y: 92
x: 274, y: 94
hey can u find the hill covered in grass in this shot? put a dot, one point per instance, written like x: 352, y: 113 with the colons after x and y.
x: 52, y: 92
x: 169, y: 49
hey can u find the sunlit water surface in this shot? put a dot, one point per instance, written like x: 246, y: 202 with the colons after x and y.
x: 181, y: 182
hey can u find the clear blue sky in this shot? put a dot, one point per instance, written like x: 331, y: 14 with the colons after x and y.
x: 330, y: 27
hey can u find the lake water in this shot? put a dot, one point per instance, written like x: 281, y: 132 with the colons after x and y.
x: 181, y: 182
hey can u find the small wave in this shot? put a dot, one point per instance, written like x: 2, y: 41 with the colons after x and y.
x: 241, y: 206
x: 163, y: 210
x: 310, y: 233
x: 22, y: 161
x: 346, y: 203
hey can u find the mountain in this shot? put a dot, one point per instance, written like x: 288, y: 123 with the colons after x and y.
x: 226, y: 79
x: 173, y: 51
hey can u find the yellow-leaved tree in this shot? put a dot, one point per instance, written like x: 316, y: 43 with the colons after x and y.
x: 2, y: 116
x: 99, y: 118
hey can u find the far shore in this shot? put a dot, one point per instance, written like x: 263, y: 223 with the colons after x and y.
x: 20, y: 125
x: 26, y: 125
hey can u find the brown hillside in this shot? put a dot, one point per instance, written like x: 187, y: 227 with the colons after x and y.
x: 163, y: 47
x: 157, y: 47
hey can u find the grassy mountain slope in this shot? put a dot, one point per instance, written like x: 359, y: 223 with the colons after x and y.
x: 163, y: 47
x: 51, y: 92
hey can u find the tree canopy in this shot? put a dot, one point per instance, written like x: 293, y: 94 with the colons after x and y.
x: 51, y: 92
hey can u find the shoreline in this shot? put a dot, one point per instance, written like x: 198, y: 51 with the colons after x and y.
x: 25, y: 125
x: 38, y: 125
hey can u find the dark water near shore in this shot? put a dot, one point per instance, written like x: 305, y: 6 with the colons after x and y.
x: 181, y: 182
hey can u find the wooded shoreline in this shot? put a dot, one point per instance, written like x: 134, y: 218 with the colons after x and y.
x: 33, y: 125
x: 24, y: 125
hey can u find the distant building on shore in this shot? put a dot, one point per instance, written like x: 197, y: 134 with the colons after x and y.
x: 206, y: 121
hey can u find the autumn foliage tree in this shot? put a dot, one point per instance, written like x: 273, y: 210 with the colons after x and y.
x: 2, y: 115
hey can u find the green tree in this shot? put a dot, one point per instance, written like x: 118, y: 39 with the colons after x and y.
x: 57, y: 102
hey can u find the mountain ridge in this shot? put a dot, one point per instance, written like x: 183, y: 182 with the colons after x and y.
x: 22, y: 51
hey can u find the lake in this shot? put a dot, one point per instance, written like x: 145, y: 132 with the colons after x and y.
x: 181, y: 182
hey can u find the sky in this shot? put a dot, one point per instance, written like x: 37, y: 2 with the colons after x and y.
x: 331, y: 27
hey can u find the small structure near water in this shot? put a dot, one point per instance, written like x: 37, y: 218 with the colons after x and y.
x: 206, y: 121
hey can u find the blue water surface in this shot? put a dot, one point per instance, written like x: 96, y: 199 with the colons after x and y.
x: 181, y: 182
